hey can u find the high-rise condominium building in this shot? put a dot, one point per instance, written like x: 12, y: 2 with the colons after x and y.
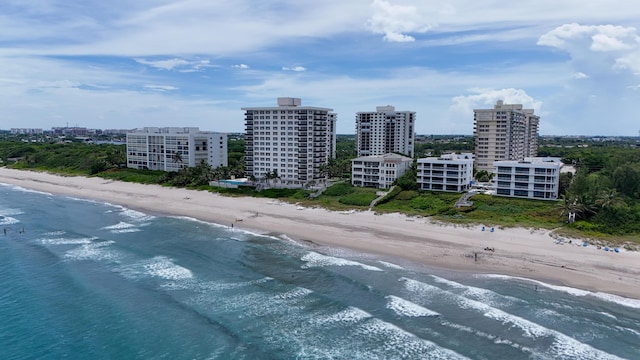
x: 172, y: 148
x: 506, y: 132
x: 385, y: 131
x: 293, y: 140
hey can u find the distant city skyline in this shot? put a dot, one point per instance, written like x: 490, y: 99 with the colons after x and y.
x: 119, y: 64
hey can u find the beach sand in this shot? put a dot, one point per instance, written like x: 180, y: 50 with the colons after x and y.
x: 518, y: 251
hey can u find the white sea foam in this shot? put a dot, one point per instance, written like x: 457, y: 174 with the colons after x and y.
x: 66, y: 241
x: 98, y: 251
x: 419, y: 287
x: 294, y: 294
x: 563, y: 346
x: 495, y: 339
x: 7, y: 216
x: 404, y: 307
x: 20, y: 188
x: 484, y: 295
x: 122, y: 227
x: 123, y: 231
x: 633, y: 303
x: 8, y: 220
x: 348, y: 315
x: 405, y: 343
x: 314, y: 259
x: 208, y: 287
x: 133, y: 214
x: 391, y: 265
x: 55, y: 233
x: 161, y: 266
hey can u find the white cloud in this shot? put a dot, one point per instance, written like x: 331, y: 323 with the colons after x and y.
x: 180, y: 65
x: 394, y: 21
x: 580, y: 75
x: 294, y: 68
x: 630, y: 62
x: 602, y: 38
x: 483, y: 98
x: 240, y: 66
x: 160, y: 87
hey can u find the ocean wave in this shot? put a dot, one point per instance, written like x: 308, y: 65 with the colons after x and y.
x: 349, y: 315
x: 119, y: 226
x: 7, y: 216
x: 314, y: 259
x: 391, y: 265
x: 620, y: 300
x: 93, y: 251
x: 419, y: 287
x: 67, y: 241
x: 208, y: 287
x: 20, y: 188
x: 55, y: 233
x: 405, y: 344
x: 294, y: 294
x: 7, y: 220
x: 563, y: 345
x: 493, y: 338
x: 484, y: 295
x: 163, y: 267
x: 404, y: 307
x: 122, y: 227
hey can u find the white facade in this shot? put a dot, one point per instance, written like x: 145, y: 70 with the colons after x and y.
x: 378, y: 171
x: 171, y: 148
x: 450, y: 172
x: 534, y: 178
x: 385, y: 131
x: 506, y: 132
x: 294, y: 140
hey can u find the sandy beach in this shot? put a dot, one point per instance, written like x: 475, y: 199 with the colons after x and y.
x: 517, y: 251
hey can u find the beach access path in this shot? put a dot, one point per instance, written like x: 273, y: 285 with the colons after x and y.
x: 516, y: 251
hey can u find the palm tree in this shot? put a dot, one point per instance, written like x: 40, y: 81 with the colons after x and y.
x: 177, y: 157
x: 608, y: 198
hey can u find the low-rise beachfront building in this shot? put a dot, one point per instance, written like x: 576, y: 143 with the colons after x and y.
x: 450, y: 172
x: 294, y: 141
x: 378, y: 171
x: 533, y: 178
x: 172, y: 148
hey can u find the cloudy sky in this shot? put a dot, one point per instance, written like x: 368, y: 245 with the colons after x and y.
x: 128, y: 64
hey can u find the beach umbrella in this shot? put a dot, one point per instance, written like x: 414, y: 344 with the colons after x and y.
x: 616, y: 250
x: 606, y: 248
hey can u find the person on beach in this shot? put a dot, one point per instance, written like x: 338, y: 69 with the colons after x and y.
x: 5, y: 231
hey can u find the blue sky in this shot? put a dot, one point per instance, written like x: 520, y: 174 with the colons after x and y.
x: 129, y: 64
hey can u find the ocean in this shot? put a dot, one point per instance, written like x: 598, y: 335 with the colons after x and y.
x: 82, y: 279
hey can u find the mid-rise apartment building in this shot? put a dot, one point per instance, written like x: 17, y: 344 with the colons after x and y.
x: 378, y: 171
x: 171, y: 148
x: 450, y: 172
x: 534, y: 178
x: 506, y: 132
x: 385, y: 131
x: 293, y: 140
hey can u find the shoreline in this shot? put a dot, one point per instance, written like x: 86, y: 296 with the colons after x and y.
x: 519, y: 252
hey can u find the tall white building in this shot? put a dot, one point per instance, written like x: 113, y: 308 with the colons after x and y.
x: 385, y: 131
x: 450, y: 172
x: 294, y: 140
x: 534, y: 178
x: 506, y: 132
x: 171, y: 148
x: 378, y: 171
